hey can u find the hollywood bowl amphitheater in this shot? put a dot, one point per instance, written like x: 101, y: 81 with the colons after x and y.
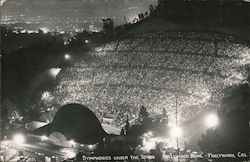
x: 182, y: 72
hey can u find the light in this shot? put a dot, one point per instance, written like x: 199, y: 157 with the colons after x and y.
x: 5, y: 143
x: 248, y: 59
x: 13, y: 152
x: 148, y: 144
x: 211, y: 120
x: 47, y: 97
x: 67, y: 56
x: 72, y: 142
x: 91, y: 146
x: 54, y: 71
x: 176, y: 132
x: 70, y: 154
x: 148, y: 134
x: 2, y: 2
x: 44, y: 138
x: 19, y: 138
x: 86, y: 41
x: 45, y: 30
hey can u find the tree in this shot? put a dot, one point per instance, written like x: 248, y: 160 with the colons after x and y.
x: 157, y: 152
x: 79, y: 156
x: 144, y: 120
x: 127, y: 125
x: 143, y: 114
x: 151, y: 9
x: 108, y: 26
x: 125, y: 129
x: 163, y: 124
x: 141, y: 16
x: 164, y: 113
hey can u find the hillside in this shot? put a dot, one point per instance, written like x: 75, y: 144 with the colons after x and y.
x: 159, y: 69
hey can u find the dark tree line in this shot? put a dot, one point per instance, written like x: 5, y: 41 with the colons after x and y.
x: 233, y: 133
x: 209, y: 12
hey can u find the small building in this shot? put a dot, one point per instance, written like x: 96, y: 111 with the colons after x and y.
x: 109, y: 118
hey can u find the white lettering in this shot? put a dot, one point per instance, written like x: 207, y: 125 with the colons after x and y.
x: 240, y: 154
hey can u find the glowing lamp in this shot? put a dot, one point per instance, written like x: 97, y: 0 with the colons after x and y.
x: 67, y: 56
x: 44, y: 138
x: 19, y: 138
x: 54, y: 71
x: 176, y: 132
x: 91, y: 146
x: 211, y: 120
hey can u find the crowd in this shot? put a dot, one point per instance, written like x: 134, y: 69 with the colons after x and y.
x: 156, y: 70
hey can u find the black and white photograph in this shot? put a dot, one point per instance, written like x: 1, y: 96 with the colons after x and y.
x: 125, y: 81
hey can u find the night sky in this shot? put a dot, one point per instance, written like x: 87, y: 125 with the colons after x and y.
x: 75, y: 8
